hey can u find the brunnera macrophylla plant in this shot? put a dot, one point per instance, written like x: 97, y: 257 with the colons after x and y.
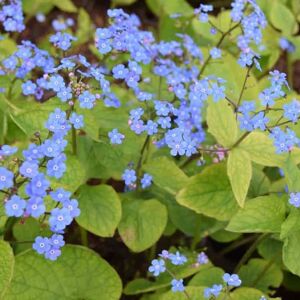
x: 200, y: 130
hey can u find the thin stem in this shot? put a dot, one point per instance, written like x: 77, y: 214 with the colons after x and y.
x: 238, y: 244
x: 244, y: 85
x: 240, y: 140
x: 74, y: 141
x: 224, y: 34
x: 232, y: 103
x: 140, y: 162
x: 250, y: 251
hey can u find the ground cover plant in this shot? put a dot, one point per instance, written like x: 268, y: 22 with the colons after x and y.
x: 149, y: 149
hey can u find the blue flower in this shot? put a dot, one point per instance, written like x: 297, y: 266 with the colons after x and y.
x: 215, y: 290
x: 56, y: 167
x: 177, y: 285
x: 29, y: 169
x: 116, y: 137
x: 53, y: 253
x: 72, y: 207
x: 120, y: 72
x: 37, y: 186
x: 157, y: 267
x: 6, y: 178
x: 76, y: 120
x: 15, y: 206
x: 295, y: 199
x: 41, y: 245
x: 292, y: 111
x: 35, y: 207
x: 86, y: 100
x: 202, y: 258
x: 62, y: 40
x: 60, y: 195
x: 146, y: 181
x: 151, y: 127
x: 232, y: 280
x: 29, y: 88
x: 215, y: 53
x: 177, y: 259
x: 7, y: 150
x: 57, y: 241
x: 59, y: 219
x: 65, y: 94
x: 129, y: 176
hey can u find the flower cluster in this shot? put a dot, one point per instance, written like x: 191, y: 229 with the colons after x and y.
x: 130, y: 178
x: 11, y: 15
x: 49, y: 156
x: 230, y: 281
x: 158, y: 266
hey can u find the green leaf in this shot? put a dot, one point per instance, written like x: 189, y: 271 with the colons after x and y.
x: 245, y: 293
x: 194, y: 293
x: 261, y: 214
x: 32, y: 7
x: 291, y: 253
x: 166, y: 174
x: 261, y: 274
x: 223, y: 236
x: 31, y: 116
x: 282, y: 18
x: 65, y: 5
x: 7, y: 262
x: 271, y: 249
x: 74, y: 176
x: 207, y: 277
x: 239, y: 170
x: 261, y: 149
x: 122, y: 2
x: 222, y: 123
x: 291, y: 223
x: 84, y: 31
x: 260, y: 183
x: 100, y: 209
x: 292, y: 174
x: 210, y: 193
x: 142, y: 223
x: 79, y: 273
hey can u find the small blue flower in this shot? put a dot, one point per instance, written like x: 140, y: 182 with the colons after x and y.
x: 6, y: 178
x: 215, y: 53
x: 76, y: 120
x: 41, y: 245
x: 56, y: 167
x: 202, y: 258
x: 129, y: 176
x: 29, y: 88
x: 72, y: 207
x: 60, y: 195
x: 116, y: 137
x: 295, y: 199
x: 177, y: 285
x: 57, y: 241
x: 7, y: 150
x: 59, y: 219
x: 157, y: 267
x: 29, y: 169
x: 37, y: 186
x: 86, y: 100
x: 146, y: 181
x: 232, y: 280
x: 151, y: 127
x: 15, y: 206
x: 62, y: 40
x: 53, y: 253
x: 120, y: 72
x: 35, y: 207
x: 177, y: 259
x: 215, y: 290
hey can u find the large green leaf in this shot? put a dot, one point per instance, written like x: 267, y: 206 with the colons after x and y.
x: 292, y: 174
x: 84, y: 31
x: 100, y: 209
x: 291, y: 254
x: 161, y: 7
x: 166, y: 174
x: 282, y: 18
x: 207, y: 277
x: 261, y: 149
x: 195, y: 293
x: 142, y: 223
x: 245, y: 293
x: 291, y: 223
x: 261, y: 274
x: 261, y: 214
x: 222, y: 123
x: 7, y: 262
x: 78, y: 274
x: 239, y: 170
x: 210, y: 193
x: 65, y: 5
